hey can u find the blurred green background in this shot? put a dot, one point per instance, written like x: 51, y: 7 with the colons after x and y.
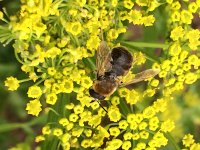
x: 18, y: 128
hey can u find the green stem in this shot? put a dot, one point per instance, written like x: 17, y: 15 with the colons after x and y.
x: 40, y: 81
x: 144, y: 44
x: 93, y: 66
x: 55, y: 112
x: 171, y: 139
x: 12, y: 126
x: 17, y: 57
x: 25, y: 80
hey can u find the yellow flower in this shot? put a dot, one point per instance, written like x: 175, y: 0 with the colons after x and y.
x: 148, y: 20
x: 186, y: 16
x: 65, y: 138
x: 95, y: 121
x: 176, y: 5
x: 195, y: 146
x: 64, y: 121
x: 51, y: 98
x: 67, y: 86
x: 86, y: 82
x: 88, y: 132
x: 190, y: 78
x: 73, y: 12
x: 70, y: 126
x: 142, y: 2
x: 34, y: 92
x: 86, y: 143
x: 53, y: 52
x: 73, y: 117
x: 142, y: 125
x: 114, y: 114
x: 39, y: 138
x: 123, y: 124
x: 130, y: 118
x: 69, y: 106
x: 127, y: 136
x: 12, y: 83
x: 56, y: 88
x: 169, y: 1
x: 135, y: 16
x: 93, y: 42
x: 77, y: 131
x: 128, y: 4
x: 159, y: 139
x: 123, y: 92
x: 175, y: 49
x: 193, y: 36
x: 34, y: 107
x: 160, y: 105
x: 73, y: 27
x: 115, y: 144
x: 177, y: 33
x: 148, y: 112
x: 114, y: 3
x: 114, y: 131
x: 115, y: 100
x: 175, y: 16
x: 192, y: 7
x: 188, y: 140
x: 81, y: 2
x: 193, y: 60
x: 46, y: 130
x: 112, y: 35
x: 144, y: 134
x: 135, y: 136
x: 1, y: 15
x: 78, y: 109
x: 154, y: 82
x: 51, y: 71
x: 126, y: 145
x: 57, y: 132
x: 140, y: 58
x: 141, y: 145
x: 133, y: 97
x: 167, y: 126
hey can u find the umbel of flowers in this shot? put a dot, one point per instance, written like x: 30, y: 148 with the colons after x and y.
x: 55, y: 42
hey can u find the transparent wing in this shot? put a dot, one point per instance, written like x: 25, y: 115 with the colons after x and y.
x: 103, y: 59
x: 141, y: 76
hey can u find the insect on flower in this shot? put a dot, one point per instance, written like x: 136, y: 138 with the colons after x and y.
x: 111, y: 65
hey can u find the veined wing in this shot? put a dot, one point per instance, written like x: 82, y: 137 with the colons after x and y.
x: 103, y: 59
x: 141, y: 76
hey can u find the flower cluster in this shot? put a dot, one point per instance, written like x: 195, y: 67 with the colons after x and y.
x: 189, y: 142
x: 55, y: 41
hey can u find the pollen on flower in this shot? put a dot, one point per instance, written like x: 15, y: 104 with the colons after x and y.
x: 34, y: 107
